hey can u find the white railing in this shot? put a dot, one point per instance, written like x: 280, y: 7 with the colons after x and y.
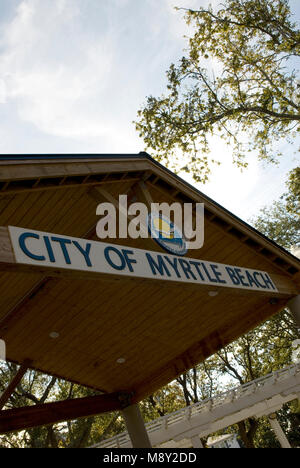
x: 209, y: 404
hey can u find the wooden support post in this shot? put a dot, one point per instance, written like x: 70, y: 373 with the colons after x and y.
x: 196, y: 442
x: 50, y: 413
x: 136, y: 427
x: 14, y: 383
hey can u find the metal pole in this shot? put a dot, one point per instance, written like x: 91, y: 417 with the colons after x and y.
x: 278, y: 431
x: 136, y: 427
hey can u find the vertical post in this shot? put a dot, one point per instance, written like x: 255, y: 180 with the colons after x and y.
x: 294, y: 306
x: 278, y: 431
x: 196, y: 442
x: 136, y: 427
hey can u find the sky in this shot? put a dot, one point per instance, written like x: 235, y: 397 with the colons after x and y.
x: 73, y: 74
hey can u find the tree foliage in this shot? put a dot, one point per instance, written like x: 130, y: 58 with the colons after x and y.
x: 263, y: 350
x: 38, y: 388
x: 292, y: 197
x: 259, y: 352
x: 237, y: 80
x: 281, y: 221
x: 280, y: 225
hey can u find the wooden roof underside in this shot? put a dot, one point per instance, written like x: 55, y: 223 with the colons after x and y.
x: 160, y: 329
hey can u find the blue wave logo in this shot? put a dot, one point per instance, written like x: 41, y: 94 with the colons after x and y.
x: 166, y: 234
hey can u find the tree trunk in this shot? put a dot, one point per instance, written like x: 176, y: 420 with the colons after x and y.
x: 248, y: 436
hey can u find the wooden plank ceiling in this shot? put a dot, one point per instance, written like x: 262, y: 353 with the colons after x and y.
x: 159, y: 329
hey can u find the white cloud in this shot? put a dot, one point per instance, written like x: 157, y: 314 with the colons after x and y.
x: 177, y: 24
x: 78, y: 69
x: 2, y: 91
x: 50, y: 68
x: 73, y: 74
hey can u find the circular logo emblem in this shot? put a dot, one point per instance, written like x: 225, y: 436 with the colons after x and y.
x: 166, y: 234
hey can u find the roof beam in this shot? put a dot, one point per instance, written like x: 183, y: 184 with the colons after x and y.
x: 99, y: 194
x: 143, y: 194
x: 33, y: 169
x: 50, y: 413
x: 14, y: 383
x: 22, y: 307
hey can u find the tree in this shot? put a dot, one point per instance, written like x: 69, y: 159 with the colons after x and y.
x: 281, y: 222
x: 162, y: 402
x: 279, y: 225
x: 292, y: 198
x: 37, y: 388
x: 264, y: 349
x: 237, y: 81
x: 260, y: 352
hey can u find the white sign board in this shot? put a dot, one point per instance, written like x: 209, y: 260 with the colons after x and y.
x: 57, y: 251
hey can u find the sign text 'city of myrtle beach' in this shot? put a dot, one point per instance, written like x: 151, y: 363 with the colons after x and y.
x: 62, y: 252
